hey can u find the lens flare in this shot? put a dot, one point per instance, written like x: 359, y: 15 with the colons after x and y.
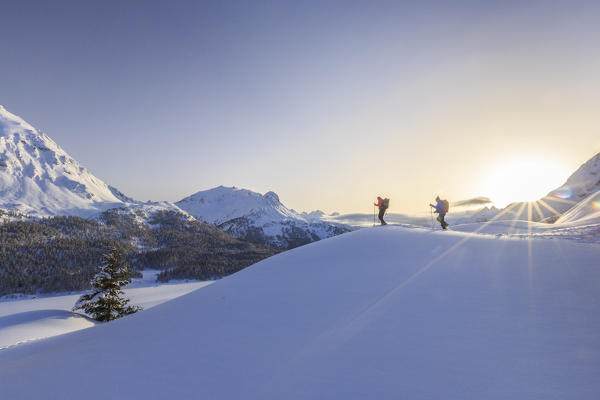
x: 596, y: 205
x: 523, y: 178
x: 564, y: 193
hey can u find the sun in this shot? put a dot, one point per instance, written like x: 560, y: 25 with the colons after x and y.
x: 522, y: 179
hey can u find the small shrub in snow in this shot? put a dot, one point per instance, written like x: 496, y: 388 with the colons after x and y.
x: 106, y: 302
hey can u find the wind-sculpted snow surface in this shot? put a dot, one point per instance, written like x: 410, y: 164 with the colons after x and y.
x: 380, y: 313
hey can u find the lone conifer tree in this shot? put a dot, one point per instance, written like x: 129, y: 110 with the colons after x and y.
x: 105, y: 302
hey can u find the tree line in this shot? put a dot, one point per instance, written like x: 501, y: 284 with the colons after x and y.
x: 62, y: 253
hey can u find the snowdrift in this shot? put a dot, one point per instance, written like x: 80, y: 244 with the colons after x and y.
x: 380, y: 313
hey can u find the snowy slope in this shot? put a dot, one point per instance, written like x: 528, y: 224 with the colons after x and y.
x: 581, y: 184
x: 587, y: 211
x: 36, y: 318
x: 259, y: 218
x: 380, y: 313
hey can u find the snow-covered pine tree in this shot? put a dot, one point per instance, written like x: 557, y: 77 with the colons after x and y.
x: 106, y: 303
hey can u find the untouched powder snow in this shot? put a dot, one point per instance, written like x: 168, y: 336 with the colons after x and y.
x: 379, y: 313
x: 27, y: 326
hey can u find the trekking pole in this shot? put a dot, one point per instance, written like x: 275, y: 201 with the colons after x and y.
x: 373, y: 215
x: 431, y: 210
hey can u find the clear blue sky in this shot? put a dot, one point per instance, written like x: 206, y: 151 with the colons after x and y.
x: 326, y: 103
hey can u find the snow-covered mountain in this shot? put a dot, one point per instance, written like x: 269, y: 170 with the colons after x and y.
x: 587, y: 211
x: 380, y: 313
x: 259, y: 218
x: 223, y: 204
x: 583, y: 183
x: 580, y: 185
x: 38, y: 177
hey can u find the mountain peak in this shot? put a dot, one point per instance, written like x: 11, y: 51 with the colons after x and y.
x: 221, y: 204
x: 582, y: 183
x: 11, y: 123
x: 37, y: 176
x: 272, y: 196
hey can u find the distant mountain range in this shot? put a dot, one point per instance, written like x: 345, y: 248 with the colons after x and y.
x: 58, y: 219
x: 40, y: 179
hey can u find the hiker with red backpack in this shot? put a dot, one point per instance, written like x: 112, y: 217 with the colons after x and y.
x: 383, y: 205
x: 441, y: 208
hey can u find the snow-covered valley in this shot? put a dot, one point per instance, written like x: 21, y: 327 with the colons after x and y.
x: 27, y: 318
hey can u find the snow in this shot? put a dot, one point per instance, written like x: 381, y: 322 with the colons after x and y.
x: 586, y: 211
x: 222, y: 204
x: 582, y: 183
x: 243, y: 213
x: 27, y: 326
x: 39, y: 178
x: 32, y: 318
x: 425, y: 219
x: 379, y: 313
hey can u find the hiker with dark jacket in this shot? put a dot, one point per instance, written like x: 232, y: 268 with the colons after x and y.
x: 441, y: 208
x: 383, y: 204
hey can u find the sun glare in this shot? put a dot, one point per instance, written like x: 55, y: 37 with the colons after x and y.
x: 523, y: 179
